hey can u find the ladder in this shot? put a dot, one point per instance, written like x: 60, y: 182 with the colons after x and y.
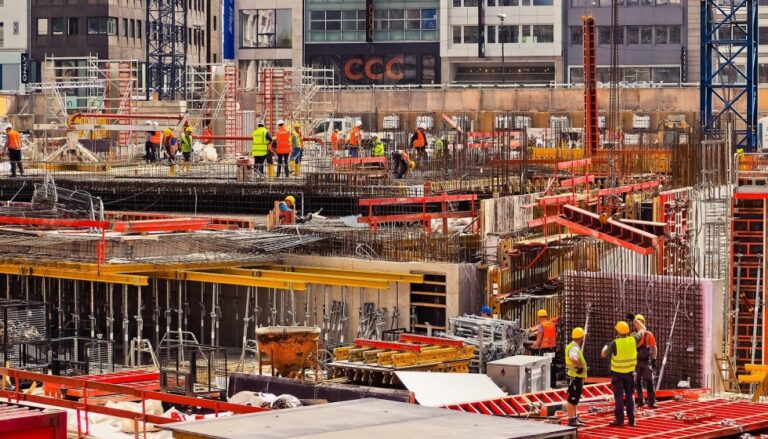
x: 231, y: 114
x: 591, y: 133
x: 727, y: 373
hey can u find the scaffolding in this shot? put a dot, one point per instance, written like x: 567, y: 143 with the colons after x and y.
x: 212, y: 101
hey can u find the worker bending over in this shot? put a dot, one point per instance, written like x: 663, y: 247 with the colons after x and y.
x: 419, y: 143
x: 402, y: 162
x: 186, y: 148
x: 576, y: 367
x: 623, y: 354
x: 13, y: 146
x: 297, y: 149
x: 646, y: 359
x: 282, y: 147
x: 355, y: 138
x: 260, y: 148
x: 171, y: 144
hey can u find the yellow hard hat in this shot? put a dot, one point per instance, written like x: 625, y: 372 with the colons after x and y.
x: 542, y: 313
x: 622, y: 328
x: 167, y: 132
x: 190, y: 129
x: 297, y: 125
x: 290, y: 199
x: 640, y: 317
x: 578, y: 333
x: 412, y: 165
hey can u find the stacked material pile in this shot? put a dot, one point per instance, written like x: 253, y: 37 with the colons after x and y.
x: 493, y: 339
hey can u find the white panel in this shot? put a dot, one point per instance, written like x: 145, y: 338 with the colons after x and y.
x: 440, y: 389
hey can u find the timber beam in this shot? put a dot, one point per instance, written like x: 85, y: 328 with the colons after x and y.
x: 311, y: 278
x: 229, y: 279
x: 60, y: 273
x: 381, y: 275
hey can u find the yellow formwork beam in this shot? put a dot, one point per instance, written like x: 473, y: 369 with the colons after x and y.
x: 228, y: 279
x: 381, y: 275
x: 122, y: 268
x: 60, y: 273
x: 310, y: 278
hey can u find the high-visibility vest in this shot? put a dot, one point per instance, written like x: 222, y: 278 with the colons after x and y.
x: 300, y: 138
x: 549, y: 339
x: 14, y: 140
x: 643, y: 350
x: 334, y: 140
x: 283, y: 141
x: 421, y: 140
x: 207, y: 133
x: 260, y: 143
x: 354, y: 133
x: 186, y: 143
x: 439, y: 145
x: 156, y: 138
x: 378, y: 149
x: 572, y: 367
x: 625, y: 358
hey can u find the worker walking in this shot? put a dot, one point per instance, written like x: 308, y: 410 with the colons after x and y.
x: 576, y: 367
x: 378, y: 147
x: 623, y: 354
x: 402, y: 163
x: 186, y: 148
x: 282, y: 147
x: 646, y: 359
x: 155, y: 140
x: 355, y: 138
x: 419, y: 143
x: 260, y: 148
x: 13, y: 146
x: 171, y: 145
x: 297, y: 149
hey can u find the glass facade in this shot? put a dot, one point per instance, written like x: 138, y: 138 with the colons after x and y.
x: 265, y: 28
x: 666, y: 74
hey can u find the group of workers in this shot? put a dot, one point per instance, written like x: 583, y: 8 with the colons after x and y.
x: 632, y: 355
x: 171, y: 144
x: 287, y: 145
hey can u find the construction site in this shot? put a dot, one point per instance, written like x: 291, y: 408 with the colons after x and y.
x: 432, y: 286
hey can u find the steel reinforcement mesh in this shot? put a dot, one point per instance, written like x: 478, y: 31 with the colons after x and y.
x: 609, y: 297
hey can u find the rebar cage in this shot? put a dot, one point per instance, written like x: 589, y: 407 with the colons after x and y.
x: 72, y: 356
x: 192, y: 369
x: 24, y: 330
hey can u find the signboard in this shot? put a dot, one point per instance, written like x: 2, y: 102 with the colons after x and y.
x: 369, y: 21
x: 229, y: 29
x: 683, y: 65
x: 25, y: 68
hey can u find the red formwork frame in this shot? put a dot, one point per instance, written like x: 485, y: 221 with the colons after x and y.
x: 424, y: 217
x: 83, y: 405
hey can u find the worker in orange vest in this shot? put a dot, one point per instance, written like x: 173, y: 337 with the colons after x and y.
x: 13, y: 145
x: 546, y: 340
x: 419, y: 143
x: 282, y: 147
x: 335, y: 140
x: 207, y: 133
x: 355, y: 138
x: 155, y: 140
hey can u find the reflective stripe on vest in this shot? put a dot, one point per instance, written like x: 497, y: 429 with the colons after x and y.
x: 549, y: 339
x: 625, y: 359
x: 283, y: 141
x: 156, y: 138
x: 421, y: 140
x: 260, y: 143
x: 572, y: 368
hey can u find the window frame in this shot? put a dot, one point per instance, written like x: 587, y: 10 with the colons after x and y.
x: 45, y: 26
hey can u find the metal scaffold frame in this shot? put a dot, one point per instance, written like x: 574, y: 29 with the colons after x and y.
x: 729, y: 69
x: 166, y: 36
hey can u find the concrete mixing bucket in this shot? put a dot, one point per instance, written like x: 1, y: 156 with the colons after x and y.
x: 290, y: 349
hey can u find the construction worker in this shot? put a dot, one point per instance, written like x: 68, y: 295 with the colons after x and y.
x: 401, y: 162
x: 155, y: 139
x: 419, y: 142
x: 576, y: 367
x: 439, y: 147
x: 260, y: 148
x: 13, y: 146
x: 355, y: 138
x: 282, y: 147
x: 378, y: 147
x: 186, y: 147
x: 646, y: 359
x: 486, y: 311
x: 546, y: 341
x: 623, y: 354
x: 207, y: 133
x: 335, y: 140
x: 148, y: 151
x: 171, y: 144
x: 297, y: 149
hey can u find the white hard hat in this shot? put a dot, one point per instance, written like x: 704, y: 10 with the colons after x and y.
x: 423, y: 127
x: 260, y: 124
x: 149, y: 122
x: 358, y: 123
x: 8, y: 126
x: 155, y: 124
x: 281, y: 122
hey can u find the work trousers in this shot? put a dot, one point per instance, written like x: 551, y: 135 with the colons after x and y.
x: 296, y: 154
x: 421, y: 154
x: 644, y: 375
x: 353, y: 151
x: 623, y: 387
x: 258, y: 163
x: 401, y: 166
x: 282, y: 162
x: 14, y: 155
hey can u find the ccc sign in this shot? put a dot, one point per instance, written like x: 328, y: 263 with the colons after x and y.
x: 374, y: 69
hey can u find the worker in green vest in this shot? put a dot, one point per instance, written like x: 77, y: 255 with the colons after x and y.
x: 439, y: 147
x: 260, y: 148
x: 577, y: 373
x: 378, y: 147
x: 186, y: 148
x: 623, y: 354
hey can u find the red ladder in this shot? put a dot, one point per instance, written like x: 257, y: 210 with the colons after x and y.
x: 591, y: 133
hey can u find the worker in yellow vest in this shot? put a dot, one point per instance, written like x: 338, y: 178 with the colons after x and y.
x: 186, y: 148
x: 623, y: 354
x: 260, y: 149
x: 297, y: 149
x: 577, y: 372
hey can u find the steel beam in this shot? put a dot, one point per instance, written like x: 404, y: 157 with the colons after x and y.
x: 228, y: 279
x: 59, y: 273
x: 383, y: 275
x: 310, y: 278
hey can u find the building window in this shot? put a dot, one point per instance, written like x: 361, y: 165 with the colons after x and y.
x: 2, y: 34
x: 490, y: 34
x: 646, y: 34
x: 42, y: 26
x: 491, y: 3
x: 577, y: 36
x: 509, y: 34
x: 456, y: 34
x: 267, y: 28
x: 543, y: 33
x: 125, y: 27
x: 543, y: 2
x: 470, y: 35
x: 661, y: 35
x: 15, y: 27
x: 214, y: 23
x: 633, y: 35
x: 57, y: 26
x: 674, y: 34
x: 762, y: 35
x: 603, y: 35
x: 467, y: 3
x: 665, y: 74
x: 348, y: 25
x: 72, y: 28
x: 102, y: 25
x: 509, y: 3
x: 138, y: 29
x: 584, y: 3
x: 404, y: 24
x: 132, y: 27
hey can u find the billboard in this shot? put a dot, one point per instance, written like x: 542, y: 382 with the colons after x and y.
x: 229, y: 29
